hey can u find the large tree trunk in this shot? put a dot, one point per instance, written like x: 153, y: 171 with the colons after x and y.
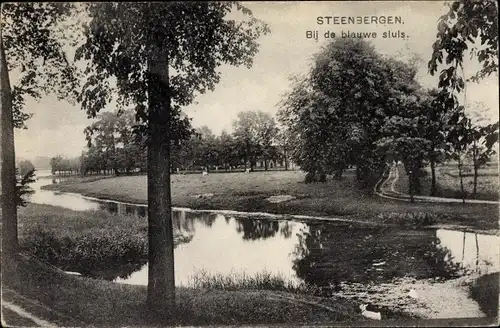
x: 161, y: 283
x: 8, y: 163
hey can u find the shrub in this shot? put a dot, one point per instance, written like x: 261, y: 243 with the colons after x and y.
x: 413, y: 219
x: 93, y: 250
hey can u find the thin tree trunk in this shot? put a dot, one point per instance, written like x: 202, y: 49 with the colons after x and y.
x: 286, y: 159
x: 161, y: 283
x: 463, y: 249
x: 410, y: 183
x: 7, y: 161
x: 476, y: 167
x: 477, y: 253
x: 461, y: 179
x: 433, y: 178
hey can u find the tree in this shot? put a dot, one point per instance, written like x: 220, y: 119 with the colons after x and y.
x: 25, y: 167
x: 206, y: 148
x: 246, y: 135
x: 482, y: 139
x: 283, y: 138
x: 228, y: 152
x: 336, y: 112
x: 56, y: 164
x: 437, y: 113
x: 31, y: 44
x: 267, y: 132
x: 162, y: 55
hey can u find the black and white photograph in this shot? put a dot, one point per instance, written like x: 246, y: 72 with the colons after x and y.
x: 249, y: 163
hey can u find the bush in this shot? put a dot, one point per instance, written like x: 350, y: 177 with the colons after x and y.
x: 413, y: 219
x: 94, y: 250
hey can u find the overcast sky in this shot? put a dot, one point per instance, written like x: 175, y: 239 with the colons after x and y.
x: 57, y: 127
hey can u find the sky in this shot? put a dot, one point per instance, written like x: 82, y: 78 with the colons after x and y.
x: 57, y: 126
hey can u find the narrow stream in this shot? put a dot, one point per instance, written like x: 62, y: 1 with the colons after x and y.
x: 319, y: 253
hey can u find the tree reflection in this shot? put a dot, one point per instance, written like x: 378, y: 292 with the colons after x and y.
x: 257, y: 229
x: 331, y: 253
x: 286, y: 229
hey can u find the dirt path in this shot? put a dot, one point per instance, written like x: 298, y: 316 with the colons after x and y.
x: 386, y: 189
x: 20, y: 311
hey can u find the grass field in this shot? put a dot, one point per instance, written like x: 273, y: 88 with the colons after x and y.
x: 248, y: 192
x: 448, y: 182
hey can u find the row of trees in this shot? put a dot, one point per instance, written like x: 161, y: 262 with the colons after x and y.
x: 117, y: 145
x: 368, y: 110
x: 63, y: 165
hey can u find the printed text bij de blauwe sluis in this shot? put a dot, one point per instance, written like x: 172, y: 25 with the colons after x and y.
x: 358, y: 20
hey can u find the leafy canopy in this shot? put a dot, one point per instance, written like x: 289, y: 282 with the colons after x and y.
x: 34, y: 47
x: 193, y: 39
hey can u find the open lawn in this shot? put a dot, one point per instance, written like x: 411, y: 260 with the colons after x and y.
x: 448, y: 182
x: 248, y: 192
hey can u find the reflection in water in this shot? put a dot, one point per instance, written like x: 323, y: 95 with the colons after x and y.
x: 319, y: 253
x: 477, y: 252
x: 330, y: 254
x: 219, y: 246
x: 256, y: 229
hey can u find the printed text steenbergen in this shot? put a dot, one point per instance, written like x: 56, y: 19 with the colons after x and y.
x: 344, y: 20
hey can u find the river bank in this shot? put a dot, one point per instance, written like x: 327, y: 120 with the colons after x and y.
x: 254, y: 192
x: 103, y: 303
x: 88, y: 241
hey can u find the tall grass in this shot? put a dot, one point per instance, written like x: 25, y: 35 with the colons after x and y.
x: 264, y: 280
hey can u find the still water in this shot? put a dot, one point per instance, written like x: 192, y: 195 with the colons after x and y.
x: 319, y: 253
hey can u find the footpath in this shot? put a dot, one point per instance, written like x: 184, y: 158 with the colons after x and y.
x: 385, y: 188
x: 20, y: 311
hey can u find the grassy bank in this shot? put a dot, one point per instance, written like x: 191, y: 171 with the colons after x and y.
x: 248, y: 192
x: 485, y: 291
x: 93, y: 238
x: 86, y: 242
x: 102, y: 303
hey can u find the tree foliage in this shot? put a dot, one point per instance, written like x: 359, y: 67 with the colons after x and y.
x: 23, y: 190
x: 468, y: 25
x: 338, y: 110
x: 34, y: 47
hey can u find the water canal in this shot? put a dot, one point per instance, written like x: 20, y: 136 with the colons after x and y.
x: 318, y: 253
